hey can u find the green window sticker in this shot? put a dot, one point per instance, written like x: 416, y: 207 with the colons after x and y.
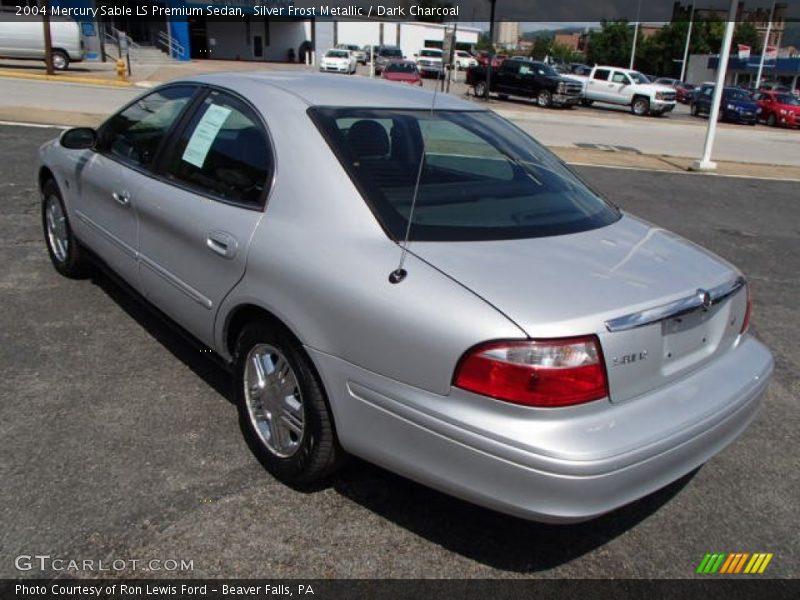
x: 204, y: 135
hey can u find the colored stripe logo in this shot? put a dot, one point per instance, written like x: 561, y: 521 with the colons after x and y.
x: 734, y: 563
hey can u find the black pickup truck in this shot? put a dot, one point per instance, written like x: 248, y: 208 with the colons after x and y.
x: 529, y: 79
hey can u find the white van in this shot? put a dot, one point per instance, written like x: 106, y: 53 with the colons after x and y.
x: 23, y: 37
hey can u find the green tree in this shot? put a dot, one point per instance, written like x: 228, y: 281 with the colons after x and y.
x: 611, y: 45
x: 484, y: 41
x: 541, y: 46
x: 747, y: 34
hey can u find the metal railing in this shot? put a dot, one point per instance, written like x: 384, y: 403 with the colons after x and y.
x: 172, y: 47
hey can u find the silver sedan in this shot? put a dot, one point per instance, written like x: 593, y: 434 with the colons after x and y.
x: 417, y: 283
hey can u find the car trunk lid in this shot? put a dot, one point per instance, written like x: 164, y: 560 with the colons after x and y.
x: 610, y: 281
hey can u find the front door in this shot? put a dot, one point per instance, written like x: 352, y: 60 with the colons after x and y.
x: 196, y: 220
x: 108, y: 178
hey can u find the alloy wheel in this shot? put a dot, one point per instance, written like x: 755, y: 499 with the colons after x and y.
x: 57, y: 234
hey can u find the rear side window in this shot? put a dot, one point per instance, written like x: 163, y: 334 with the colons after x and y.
x: 601, y: 74
x: 134, y: 134
x: 480, y: 177
x: 224, y: 152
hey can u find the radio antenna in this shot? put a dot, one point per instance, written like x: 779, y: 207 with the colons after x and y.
x: 399, y: 274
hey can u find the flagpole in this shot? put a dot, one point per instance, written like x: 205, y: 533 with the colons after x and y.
x: 765, y: 46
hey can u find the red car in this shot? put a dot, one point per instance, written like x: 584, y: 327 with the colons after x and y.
x: 683, y: 92
x: 404, y: 71
x: 483, y: 59
x: 778, y: 108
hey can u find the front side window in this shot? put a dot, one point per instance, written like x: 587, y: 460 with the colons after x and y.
x: 134, y: 134
x: 224, y: 152
x: 621, y: 78
x: 481, y: 178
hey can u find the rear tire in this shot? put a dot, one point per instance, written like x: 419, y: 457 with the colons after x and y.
x: 283, y: 409
x: 65, y: 252
x: 502, y: 96
x: 60, y: 60
x: 480, y: 90
x: 695, y: 110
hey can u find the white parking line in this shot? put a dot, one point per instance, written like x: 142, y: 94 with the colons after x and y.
x: 37, y: 125
x: 681, y: 172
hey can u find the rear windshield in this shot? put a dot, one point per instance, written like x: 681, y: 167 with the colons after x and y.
x: 480, y: 177
x: 431, y: 53
x: 401, y: 68
x: 391, y: 52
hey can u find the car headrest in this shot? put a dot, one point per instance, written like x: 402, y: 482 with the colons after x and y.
x: 368, y: 139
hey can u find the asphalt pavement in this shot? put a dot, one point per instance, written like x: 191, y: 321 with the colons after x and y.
x: 120, y: 441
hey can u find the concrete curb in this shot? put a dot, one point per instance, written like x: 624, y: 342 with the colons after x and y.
x: 66, y: 79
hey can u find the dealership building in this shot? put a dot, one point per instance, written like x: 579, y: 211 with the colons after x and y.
x: 185, y: 30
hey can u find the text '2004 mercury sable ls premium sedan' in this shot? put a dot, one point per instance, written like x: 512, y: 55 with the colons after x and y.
x: 538, y: 351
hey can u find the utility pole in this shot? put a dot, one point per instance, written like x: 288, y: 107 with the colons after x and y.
x: 48, y: 40
x: 705, y: 163
x: 635, y: 33
x: 686, y: 48
x: 765, y: 46
x: 491, y: 49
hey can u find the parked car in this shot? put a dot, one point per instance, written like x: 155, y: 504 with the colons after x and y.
x: 540, y: 351
x: 429, y: 62
x: 370, y: 52
x: 736, y: 105
x: 684, y: 92
x: 464, y: 60
x: 778, y: 109
x: 338, y: 61
x: 23, y: 38
x: 614, y: 85
x: 404, y: 71
x: 527, y: 79
x: 384, y: 55
x: 774, y: 86
x: 483, y: 59
x: 358, y: 53
x: 580, y: 68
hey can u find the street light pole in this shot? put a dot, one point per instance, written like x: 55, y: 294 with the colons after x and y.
x: 686, y: 48
x: 765, y: 46
x: 635, y: 33
x: 48, y: 40
x: 705, y: 163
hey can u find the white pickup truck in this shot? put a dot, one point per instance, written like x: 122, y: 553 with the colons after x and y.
x: 614, y: 85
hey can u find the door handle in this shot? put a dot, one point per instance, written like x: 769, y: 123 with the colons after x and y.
x: 222, y: 243
x: 123, y: 198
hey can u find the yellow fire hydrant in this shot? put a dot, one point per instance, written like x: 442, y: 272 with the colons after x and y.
x: 121, y: 70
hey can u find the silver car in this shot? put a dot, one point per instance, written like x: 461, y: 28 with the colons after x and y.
x: 522, y: 344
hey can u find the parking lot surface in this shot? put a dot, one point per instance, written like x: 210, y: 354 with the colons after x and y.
x: 120, y: 441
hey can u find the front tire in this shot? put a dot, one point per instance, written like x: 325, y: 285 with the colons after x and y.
x: 695, y: 110
x: 586, y: 102
x: 640, y: 106
x: 772, y: 120
x: 544, y: 99
x: 283, y: 408
x: 66, y: 254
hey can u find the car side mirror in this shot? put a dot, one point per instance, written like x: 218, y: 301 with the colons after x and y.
x: 79, y: 138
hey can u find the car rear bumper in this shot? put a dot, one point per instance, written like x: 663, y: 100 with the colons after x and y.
x: 554, y: 465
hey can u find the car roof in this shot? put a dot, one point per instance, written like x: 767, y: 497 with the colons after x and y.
x: 318, y: 89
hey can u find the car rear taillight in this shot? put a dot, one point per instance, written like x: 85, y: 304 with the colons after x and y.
x: 544, y: 373
x: 747, y: 312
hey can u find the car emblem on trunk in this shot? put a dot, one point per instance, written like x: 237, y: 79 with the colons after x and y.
x: 705, y: 299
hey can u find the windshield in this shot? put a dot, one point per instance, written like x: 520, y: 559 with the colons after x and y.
x: 337, y: 54
x: 788, y: 99
x: 481, y: 178
x: 548, y: 70
x: 431, y: 53
x: 401, y: 68
x: 638, y: 77
x: 391, y: 52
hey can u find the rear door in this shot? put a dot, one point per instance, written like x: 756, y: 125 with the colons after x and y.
x: 597, y: 85
x: 508, y: 78
x: 197, y: 218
